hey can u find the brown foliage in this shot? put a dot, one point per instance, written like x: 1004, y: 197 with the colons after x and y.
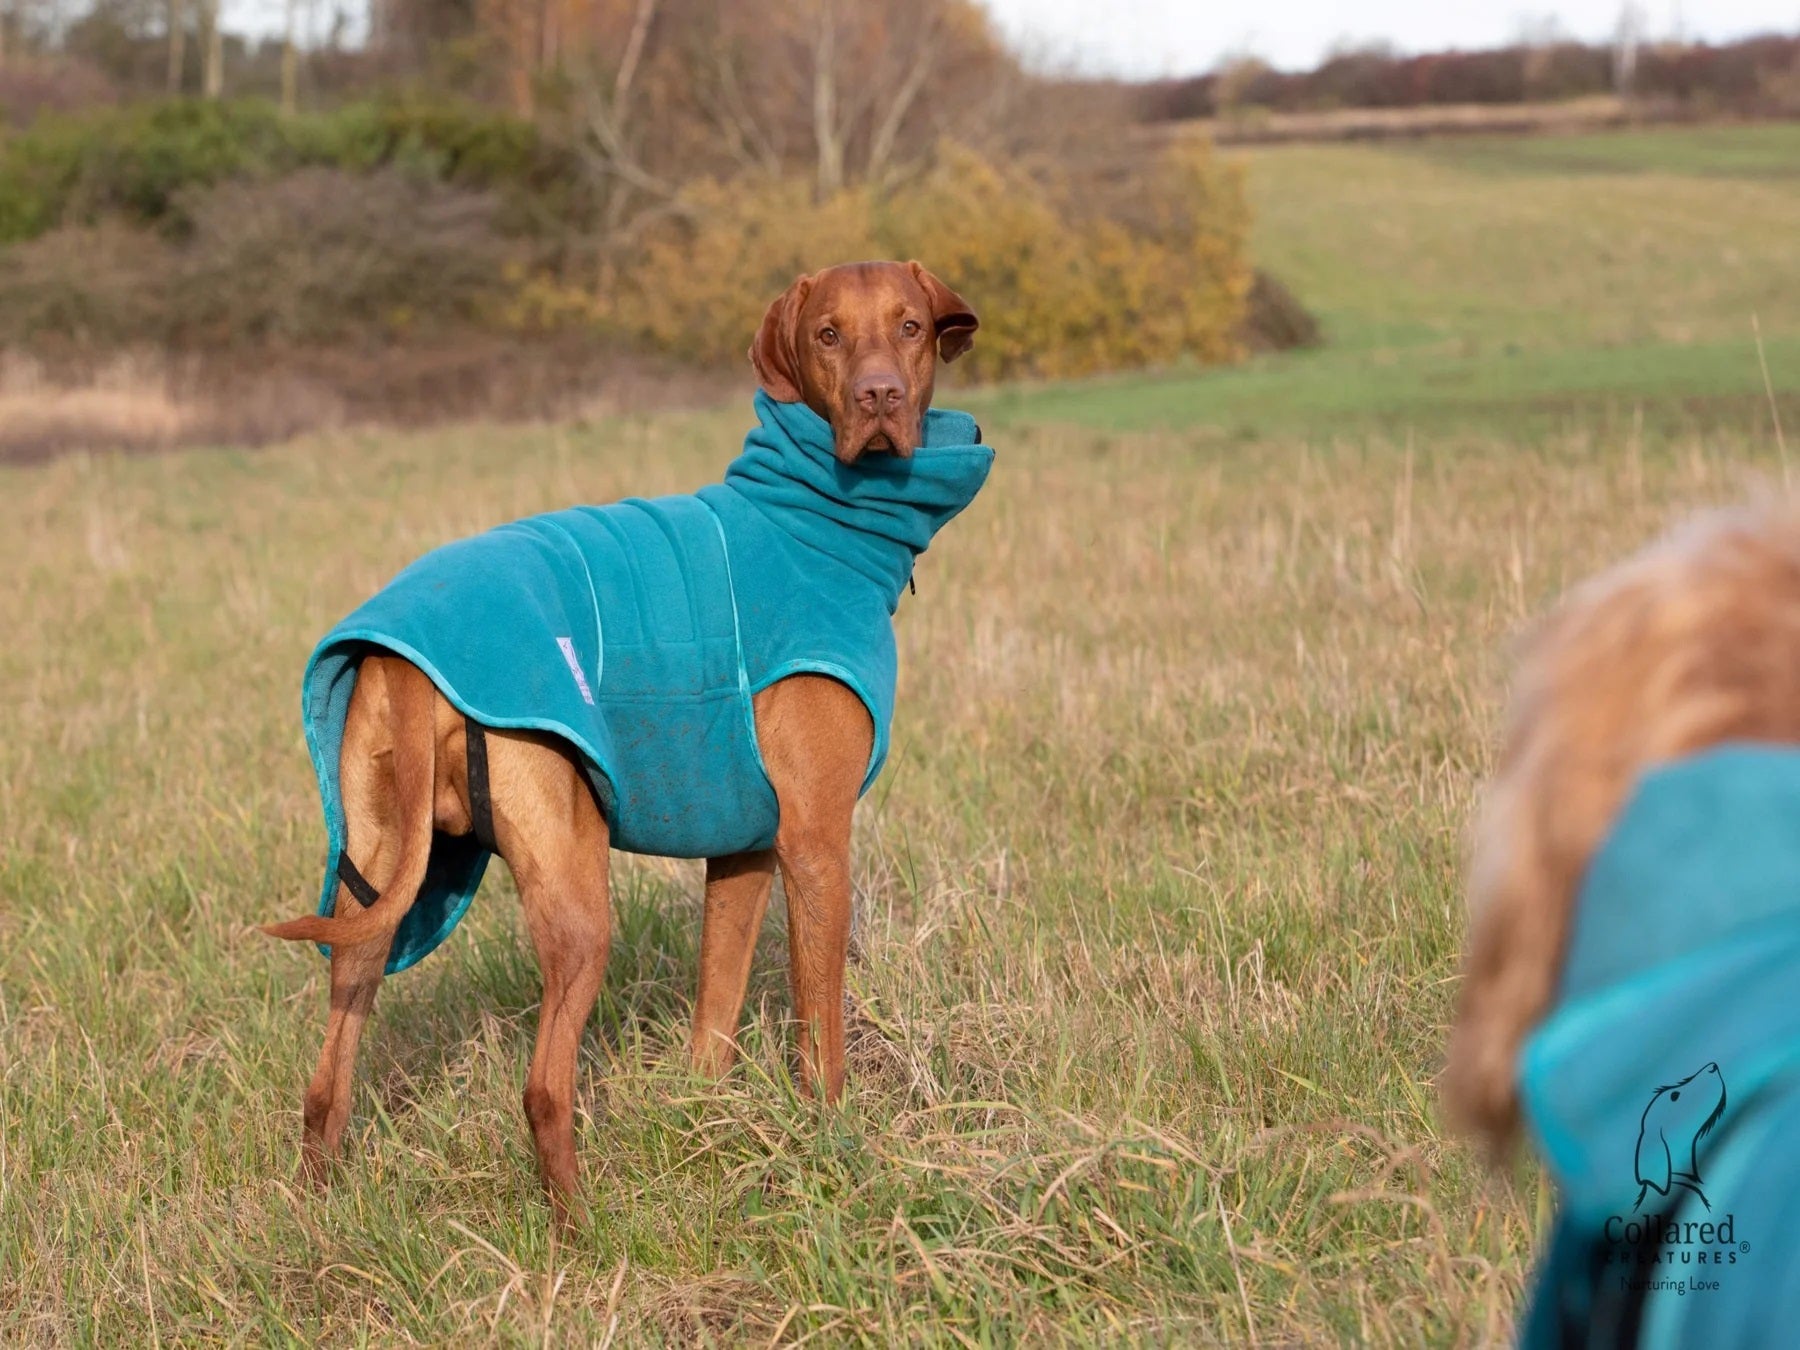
x: 707, y: 152
x: 321, y: 254
x: 736, y: 147
x: 840, y: 95
x: 34, y: 85
x: 1070, y: 276
x: 317, y: 256
x: 103, y: 284
x: 1274, y: 319
x: 1076, y: 275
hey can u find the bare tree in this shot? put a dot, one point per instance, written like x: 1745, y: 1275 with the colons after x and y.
x: 212, y: 50
x: 15, y: 29
x: 290, y: 61
x: 1539, y: 35
x: 1626, y: 36
x: 177, y: 20
x: 867, y: 75
x: 844, y: 93
x: 1235, y: 77
x: 611, y: 145
x: 828, y: 124
x: 913, y: 69
x: 845, y: 79
x: 729, y: 107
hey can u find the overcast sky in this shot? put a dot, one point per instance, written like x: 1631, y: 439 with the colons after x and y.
x: 1162, y: 37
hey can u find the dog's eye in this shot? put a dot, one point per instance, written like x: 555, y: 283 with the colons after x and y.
x: 1674, y: 1096
x: 912, y: 328
x: 828, y: 337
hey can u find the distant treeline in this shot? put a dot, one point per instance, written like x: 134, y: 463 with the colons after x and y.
x: 650, y: 183
x: 1758, y: 75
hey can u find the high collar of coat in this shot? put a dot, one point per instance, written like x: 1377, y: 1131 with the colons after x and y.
x: 874, y: 516
x: 1683, y: 954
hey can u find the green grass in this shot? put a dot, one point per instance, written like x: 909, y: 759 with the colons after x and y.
x: 1770, y: 150
x: 1158, y: 897
x: 1697, y: 387
x: 1466, y: 283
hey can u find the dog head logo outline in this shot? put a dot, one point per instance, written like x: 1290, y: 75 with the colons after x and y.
x: 1677, y: 1118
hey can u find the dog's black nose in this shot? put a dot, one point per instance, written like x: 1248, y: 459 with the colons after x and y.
x: 879, y: 392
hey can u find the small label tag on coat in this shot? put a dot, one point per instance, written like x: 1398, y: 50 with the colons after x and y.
x: 568, y: 651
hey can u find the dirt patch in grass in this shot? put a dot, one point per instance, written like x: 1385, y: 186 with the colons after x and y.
x: 58, y: 402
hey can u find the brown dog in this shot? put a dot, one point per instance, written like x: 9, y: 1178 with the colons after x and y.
x: 1691, y: 644
x: 856, y: 343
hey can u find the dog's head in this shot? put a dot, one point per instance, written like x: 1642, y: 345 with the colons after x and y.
x: 859, y: 345
x: 1694, y: 642
x: 1677, y: 1118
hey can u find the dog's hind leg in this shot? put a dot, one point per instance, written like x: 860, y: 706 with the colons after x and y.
x: 374, y: 830
x: 552, y: 835
x: 737, y: 896
x: 355, y: 978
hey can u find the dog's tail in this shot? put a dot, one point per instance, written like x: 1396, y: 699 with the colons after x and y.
x: 411, y: 709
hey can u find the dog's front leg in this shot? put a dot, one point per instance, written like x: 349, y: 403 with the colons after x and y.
x: 815, y: 736
x: 815, y: 868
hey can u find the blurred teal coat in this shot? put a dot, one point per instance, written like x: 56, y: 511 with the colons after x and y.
x: 639, y: 632
x: 1664, y: 1088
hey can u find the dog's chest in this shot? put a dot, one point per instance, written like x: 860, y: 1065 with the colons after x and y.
x: 671, y: 688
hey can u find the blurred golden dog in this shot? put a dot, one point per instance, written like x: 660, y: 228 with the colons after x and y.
x: 1629, y: 985
x: 1693, y: 643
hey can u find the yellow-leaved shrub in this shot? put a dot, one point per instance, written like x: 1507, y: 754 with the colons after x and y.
x: 1067, y: 280
x: 1070, y: 280
x: 698, y: 288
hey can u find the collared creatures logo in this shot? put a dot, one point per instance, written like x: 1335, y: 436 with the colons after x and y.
x: 1678, y: 1117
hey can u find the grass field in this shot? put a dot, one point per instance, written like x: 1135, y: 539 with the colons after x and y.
x: 1159, y: 908
x: 1533, y: 283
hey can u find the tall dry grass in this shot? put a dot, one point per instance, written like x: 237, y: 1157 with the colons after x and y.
x: 126, y: 404
x: 1158, y: 914
x: 1158, y: 897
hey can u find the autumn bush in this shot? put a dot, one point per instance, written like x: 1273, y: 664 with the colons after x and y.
x: 196, y: 225
x: 697, y: 288
x: 672, y: 177
x: 662, y: 174
x: 32, y: 87
x: 140, y: 163
x: 1065, y: 288
x: 317, y: 256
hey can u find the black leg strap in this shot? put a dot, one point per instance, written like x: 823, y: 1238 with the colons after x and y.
x: 481, y: 809
x: 365, y: 894
x: 481, y: 805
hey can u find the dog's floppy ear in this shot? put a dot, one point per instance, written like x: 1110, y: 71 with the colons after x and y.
x: 951, y: 315
x: 1654, y: 1166
x: 776, y: 353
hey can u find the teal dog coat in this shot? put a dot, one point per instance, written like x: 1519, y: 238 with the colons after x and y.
x: 639, y: 632
x: 1663, y: 1089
